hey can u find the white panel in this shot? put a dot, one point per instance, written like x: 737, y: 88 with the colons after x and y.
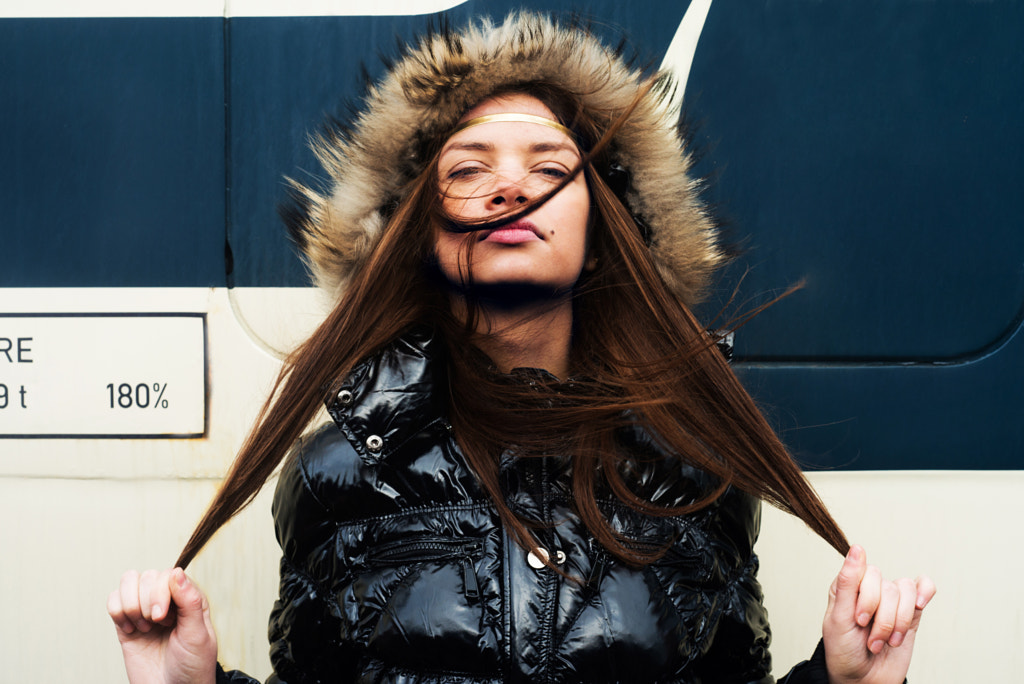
x: 240, y: 376
x: 315, y: 8
x: 278, y: 319
x: 75, y: 537
x: 80, y: 512
x: 960, y: 528
x: 51, y: 9
x: 220, y: 8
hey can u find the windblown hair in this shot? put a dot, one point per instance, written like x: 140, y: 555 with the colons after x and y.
x: 639, y: 356
x: 373, y: 160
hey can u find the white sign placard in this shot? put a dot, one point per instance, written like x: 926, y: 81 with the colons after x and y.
x: 102, y: 375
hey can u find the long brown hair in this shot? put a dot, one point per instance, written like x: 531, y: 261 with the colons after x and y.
x: 669, y: 379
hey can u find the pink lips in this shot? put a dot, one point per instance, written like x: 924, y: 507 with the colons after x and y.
x: 514, y: 234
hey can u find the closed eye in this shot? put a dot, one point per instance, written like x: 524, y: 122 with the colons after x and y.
x: 465, y: 172
x: 553, y: 172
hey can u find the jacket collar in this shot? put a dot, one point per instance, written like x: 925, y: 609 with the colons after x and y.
x: 392, y: 395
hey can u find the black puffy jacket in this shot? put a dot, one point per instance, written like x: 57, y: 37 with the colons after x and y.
x: 396, y: 567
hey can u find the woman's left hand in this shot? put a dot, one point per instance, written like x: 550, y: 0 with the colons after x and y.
x: 871, y: 623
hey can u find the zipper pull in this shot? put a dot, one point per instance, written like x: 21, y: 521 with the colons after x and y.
x: 469, y: 573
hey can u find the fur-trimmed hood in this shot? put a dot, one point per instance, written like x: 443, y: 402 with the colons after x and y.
x: 426, y: 92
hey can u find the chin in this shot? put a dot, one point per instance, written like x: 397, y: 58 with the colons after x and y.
x: 513, y: 295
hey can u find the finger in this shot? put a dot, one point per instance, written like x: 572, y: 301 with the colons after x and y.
x: 116, y: 612
x: 884, y: 617
x: 844, y: 590
x: 905, y: 610
x: 160, y: 599
x: 925, y: 591
x: 147, y: 589
x: 870, y: 595
x: 832, y: 589
x: 130, y: 604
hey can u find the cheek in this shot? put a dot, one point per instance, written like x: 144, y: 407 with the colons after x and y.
x: 579, y: 219
x: 453, y: 207
x: 460, y: 203
x: 446, y: 246
x: 450, y: 251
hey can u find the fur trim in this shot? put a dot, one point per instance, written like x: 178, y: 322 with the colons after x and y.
x: 444, y: 74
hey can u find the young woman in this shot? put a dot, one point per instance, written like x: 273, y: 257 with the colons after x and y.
x: 540, y: 467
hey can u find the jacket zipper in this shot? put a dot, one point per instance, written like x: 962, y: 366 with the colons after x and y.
x: 437, y: 549
x: 674, y: 556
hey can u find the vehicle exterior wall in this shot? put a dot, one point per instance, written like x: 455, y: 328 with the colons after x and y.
x: 872, y: 149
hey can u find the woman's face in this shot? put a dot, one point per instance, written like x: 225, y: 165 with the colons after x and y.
x: 487, y: 169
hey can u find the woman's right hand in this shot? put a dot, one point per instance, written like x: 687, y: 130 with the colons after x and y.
x: 163, y: 624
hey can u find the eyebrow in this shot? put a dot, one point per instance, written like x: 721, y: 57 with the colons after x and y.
x: 533, y: 148
x: 553, y: 147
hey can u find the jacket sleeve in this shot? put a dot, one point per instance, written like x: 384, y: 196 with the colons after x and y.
x: 810, y: 671
x: 233, y: 677
x: 306, y: 622
x: 739, y: 653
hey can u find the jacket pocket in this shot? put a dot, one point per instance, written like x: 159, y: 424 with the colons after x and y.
x: 416, y: 602
x: 432, y: 550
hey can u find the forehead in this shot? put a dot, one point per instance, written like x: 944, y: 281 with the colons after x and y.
x: 532, y: 135
x: 510, y: 102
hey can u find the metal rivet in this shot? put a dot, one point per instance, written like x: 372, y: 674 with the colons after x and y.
x: 537, y: 558
x: 559, y: 557
x: 345, y: 397
x: 374, y: 443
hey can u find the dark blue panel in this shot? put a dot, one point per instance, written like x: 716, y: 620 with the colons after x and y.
x: 920, y: 416
x: 112, y: 157
x: 874, y: 148
x: 288, y: 73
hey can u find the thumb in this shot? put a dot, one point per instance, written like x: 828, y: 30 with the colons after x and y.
x: 192, y: 606
x: 842, y: 599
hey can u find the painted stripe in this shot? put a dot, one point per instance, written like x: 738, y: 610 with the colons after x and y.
x: 679, y: 56
x: 50, y: 9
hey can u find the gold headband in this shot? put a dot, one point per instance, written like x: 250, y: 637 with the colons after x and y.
x: 512, y: 116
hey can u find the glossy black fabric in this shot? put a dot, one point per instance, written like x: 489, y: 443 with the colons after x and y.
x: 396, y: 567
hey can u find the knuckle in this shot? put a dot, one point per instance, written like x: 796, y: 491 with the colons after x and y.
x: 884, y: 625
x: 129, y: 605
x: 114, y: 603
x: 847, y: 578
x: 132, y: 611
x: 870, y: 594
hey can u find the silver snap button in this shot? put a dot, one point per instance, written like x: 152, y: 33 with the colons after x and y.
x: 537, y: 558
x: 345, y: 397
x: 374, y: 443
x: 559, y: 557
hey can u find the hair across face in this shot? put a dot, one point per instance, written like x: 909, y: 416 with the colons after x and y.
x: 638, y: 350
x: 493, y: 169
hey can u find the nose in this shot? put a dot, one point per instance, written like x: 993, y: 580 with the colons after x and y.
x: 508, y: 193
